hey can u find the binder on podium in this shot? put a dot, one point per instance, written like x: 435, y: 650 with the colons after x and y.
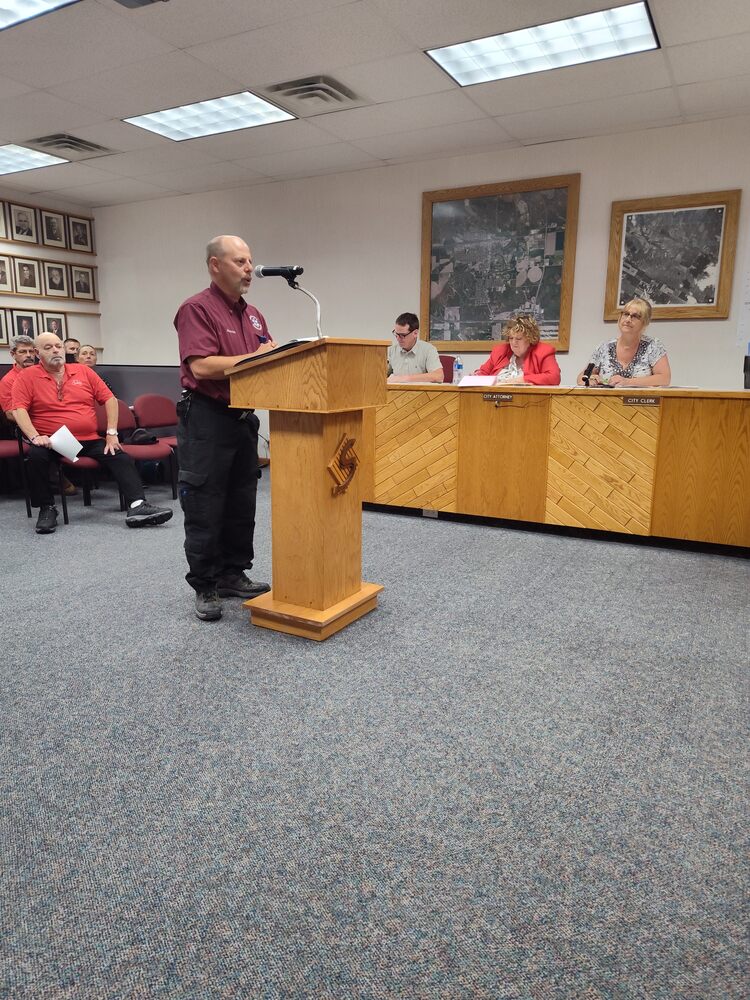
x: 315, y: 392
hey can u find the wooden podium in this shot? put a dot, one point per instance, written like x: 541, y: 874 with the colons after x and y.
x: 315, y: 393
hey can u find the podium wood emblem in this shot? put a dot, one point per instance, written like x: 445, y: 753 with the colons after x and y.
x: 343, y: 465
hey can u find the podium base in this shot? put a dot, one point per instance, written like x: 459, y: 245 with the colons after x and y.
x: 294, y: 619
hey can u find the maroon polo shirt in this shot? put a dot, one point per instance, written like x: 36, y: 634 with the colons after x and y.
x: 210, y: 324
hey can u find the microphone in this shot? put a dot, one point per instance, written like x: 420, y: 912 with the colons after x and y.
x: 588, y: 373
x: 288, y: 271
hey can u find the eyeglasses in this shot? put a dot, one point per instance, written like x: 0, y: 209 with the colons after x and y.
x: 402, y: 335
x: 634, y: 316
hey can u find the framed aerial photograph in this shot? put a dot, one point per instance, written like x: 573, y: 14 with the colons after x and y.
x: 81, y: 234
x: 28, y: 277
x: 56, y: 279
x: 53, y: 229
x: 82, y: 282
x: 495, y: 250
x: 22, y: 224
x: 6, y: 274
x: 25, y: 324
x: 4, y: 329
x: 55, y: 323
x: 678, y: 252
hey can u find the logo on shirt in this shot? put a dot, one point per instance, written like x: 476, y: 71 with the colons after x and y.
x: 230, y: 331
x: 256, y: 322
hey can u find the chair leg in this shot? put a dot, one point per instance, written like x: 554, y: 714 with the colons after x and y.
x: 63, y: 499
x: 86, y: 487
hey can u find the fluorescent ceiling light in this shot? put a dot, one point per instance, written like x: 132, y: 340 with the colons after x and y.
x: 225, y: 114
x: 15, y: 158
x: 14, y: 11
x: 601, y: 35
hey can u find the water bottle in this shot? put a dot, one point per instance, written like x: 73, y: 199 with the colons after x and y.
x: 458, y: 370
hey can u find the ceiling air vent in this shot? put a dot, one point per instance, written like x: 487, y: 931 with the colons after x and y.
x: 315, y: 95
x: 69, y: 146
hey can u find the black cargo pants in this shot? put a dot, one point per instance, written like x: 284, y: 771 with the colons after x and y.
x: 218, y: 479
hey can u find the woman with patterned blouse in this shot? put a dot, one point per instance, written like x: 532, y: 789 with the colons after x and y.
x: 632, y: 359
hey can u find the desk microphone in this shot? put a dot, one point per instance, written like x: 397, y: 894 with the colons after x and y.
x: 288, y: 271
x: 588, y: 373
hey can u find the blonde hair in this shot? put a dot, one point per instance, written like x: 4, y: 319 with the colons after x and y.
x: 645, y: 308
x: 525, y: 324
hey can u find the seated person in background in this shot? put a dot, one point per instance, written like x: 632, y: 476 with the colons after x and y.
x: 631, y: 359
x: 87, y: 356
x: 412, y: 359
x: 72, y: 347
x: 51, y: 394
x: 522, y: 359
x: 24, y: 356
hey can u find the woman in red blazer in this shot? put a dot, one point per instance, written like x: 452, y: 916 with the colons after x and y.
x: 521, y: 359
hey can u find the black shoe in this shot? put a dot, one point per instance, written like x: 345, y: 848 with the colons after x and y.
x: 207, y: 606
x: 240, y: 586
x: 47, y: 520
x: 145, y: 515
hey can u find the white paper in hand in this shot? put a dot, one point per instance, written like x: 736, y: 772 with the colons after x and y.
x: 65, y: 444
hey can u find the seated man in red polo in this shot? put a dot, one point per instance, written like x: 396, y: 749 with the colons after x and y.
x: 54, y: 393
x: 24, y: 356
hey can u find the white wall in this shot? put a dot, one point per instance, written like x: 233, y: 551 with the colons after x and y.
x: 358, y: 236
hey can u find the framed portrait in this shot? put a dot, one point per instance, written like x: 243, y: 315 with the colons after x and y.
x: 495, y: 250
x: 678, y: 252
x: 53, y: 229
x: 25, y: 324
x: 82, y: 282
x: 3, y: 223
x: 81, y: 234
x: 4, y: 331
x: 6, y: 274
x: 22, y: 224
x: 53, y: 322
x: 27, y: 275
x: 56, y: 279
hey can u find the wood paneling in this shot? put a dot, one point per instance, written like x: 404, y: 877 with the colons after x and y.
x: 502, y: 467
x: 702, y: 487
x: 601, y: 463
x: 416, y: 436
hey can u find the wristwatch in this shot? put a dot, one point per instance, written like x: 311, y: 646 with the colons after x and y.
x: 111, y: 430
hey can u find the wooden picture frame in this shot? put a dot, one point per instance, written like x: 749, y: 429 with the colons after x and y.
x: 80, y: 234
x: 6, y: 273
x: 3, y: 222
x: 82, y: 282
x: 492, y: 251
x: 4, y: 328
x: 49, y: 318
x: 678, y: 252
x: 22, y: 227
x: 27, y: 274
x: 56, y: 281
x: 19, y: 315
x: 53, y: 229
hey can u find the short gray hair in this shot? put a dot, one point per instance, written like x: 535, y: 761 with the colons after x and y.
x: 215, y: 248
x: 21, y: 342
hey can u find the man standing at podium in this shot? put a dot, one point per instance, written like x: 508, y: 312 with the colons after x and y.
x: 218, y: 446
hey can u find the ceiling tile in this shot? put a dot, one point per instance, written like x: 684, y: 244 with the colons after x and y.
x: 215, y: 177
x: 309, y: 44
x: 150, y: 85
x: 710, y: 60
x: 119, y: 136
x: 340, y: 156
x: 191, y: 22
x: 38, y: 113
x: 140, y: 162
x: 462, y: 137
x: 63, y: 175
x: 408, y: 75
x: 724, y: 97
x: 401, y: 116
x: 609, y: 78
x: 276, y: 138
x: 592, y: 117
x: 681, y: 21
x: 73, y: 44
x: 118, y: 191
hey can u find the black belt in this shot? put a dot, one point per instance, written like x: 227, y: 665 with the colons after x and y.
x: 216, y: 404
